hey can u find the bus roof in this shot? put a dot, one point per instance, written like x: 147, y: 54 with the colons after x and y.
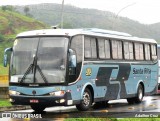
x: 86, y: 31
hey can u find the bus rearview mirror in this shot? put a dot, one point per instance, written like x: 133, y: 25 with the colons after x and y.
x: 72, y: 62
x: 72, y: 58
x: 5, y: 59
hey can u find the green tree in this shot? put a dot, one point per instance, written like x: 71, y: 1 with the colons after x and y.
x: 8, y: 7
x: 26, y: 10
x: 4, y: 8
x: 67, y: 25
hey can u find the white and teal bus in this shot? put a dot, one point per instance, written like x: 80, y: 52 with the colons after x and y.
x: 64, y: 67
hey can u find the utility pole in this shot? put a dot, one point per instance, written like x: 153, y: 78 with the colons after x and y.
x: 62, y: 14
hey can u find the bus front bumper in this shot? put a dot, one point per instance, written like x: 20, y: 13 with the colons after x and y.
x: 64, y: 100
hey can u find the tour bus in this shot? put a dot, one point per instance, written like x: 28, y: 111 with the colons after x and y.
x: 65, y: 67
x: 158, y: 49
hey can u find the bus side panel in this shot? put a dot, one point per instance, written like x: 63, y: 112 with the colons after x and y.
x: 107, y: 80
x: 147, y: 75
x: 114, y: 81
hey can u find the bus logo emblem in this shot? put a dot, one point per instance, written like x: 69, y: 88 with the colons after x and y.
x: 33, y: 92
x: 88, y: 72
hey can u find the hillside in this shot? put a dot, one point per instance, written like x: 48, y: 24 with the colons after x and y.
x: 91, y: 18
x: 12, y: 23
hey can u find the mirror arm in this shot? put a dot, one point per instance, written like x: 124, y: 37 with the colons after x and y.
x: 8, y: 49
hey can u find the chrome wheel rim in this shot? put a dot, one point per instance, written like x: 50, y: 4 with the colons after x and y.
x: 86, y: 99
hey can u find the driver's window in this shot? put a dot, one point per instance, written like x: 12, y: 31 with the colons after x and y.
x: 77, y: 47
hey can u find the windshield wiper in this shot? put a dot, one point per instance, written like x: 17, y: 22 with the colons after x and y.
x: 33, y: 67
x: 28, y: 70
x: 41, y: 73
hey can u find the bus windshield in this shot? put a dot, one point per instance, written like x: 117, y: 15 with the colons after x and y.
x: 39, y: 60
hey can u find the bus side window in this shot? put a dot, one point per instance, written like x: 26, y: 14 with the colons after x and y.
x: 153, y: 52
x: 116, y: 49
x: 147, y: 52
x: 104, y: 48
x: 128, y: 50
x: 139, y: 54
x: 90, y: 47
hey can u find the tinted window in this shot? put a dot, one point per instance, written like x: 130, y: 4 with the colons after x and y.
x: 116, y: 49
x: 147, y: 52
x: 128, y: 50
x: 90, y: 47
x: 104, y: 48
x: 153, y: 52
x: 139, y: 54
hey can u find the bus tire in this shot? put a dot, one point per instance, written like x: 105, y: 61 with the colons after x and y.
x: 86, y: 102
x: 38, y: 108
x: 140, y: 94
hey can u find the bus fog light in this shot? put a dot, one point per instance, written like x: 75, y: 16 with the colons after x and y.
x: 62, y: 100
x: 57, y: 101
x: 11, y: 92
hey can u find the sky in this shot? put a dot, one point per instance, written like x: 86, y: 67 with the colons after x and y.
x: 143, y: 11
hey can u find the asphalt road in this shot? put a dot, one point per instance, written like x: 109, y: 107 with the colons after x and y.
x: 150, y: 107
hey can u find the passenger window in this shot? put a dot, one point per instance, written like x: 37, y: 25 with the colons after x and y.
x: 139, y: 54
x: 90, y: 47
x: 104, y: 48
x: 93, y: 48
x: 131, y: 56
x: 153, y: 52
x: 87, y: 45
x: 101, y: 48
x: 147, y: 52
x: 128, y: 50
x: 116, y: 49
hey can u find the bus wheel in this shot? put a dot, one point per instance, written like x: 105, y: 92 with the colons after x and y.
x: 38, y: 108
x: 86, y: 101
x: 140, y: 94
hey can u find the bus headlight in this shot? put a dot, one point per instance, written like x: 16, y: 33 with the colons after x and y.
x: 57, y: 93
x: 11, y: 92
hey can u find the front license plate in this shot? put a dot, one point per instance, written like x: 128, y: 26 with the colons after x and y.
x: 34, y: 101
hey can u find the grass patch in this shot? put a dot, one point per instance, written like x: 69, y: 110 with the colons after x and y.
x: 139, y: 119
x: 90, y: 119
x: 3, y: 70
x: 112, y: 119
x: 5, y: 103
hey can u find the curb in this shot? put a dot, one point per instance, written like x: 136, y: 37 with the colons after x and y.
x: 14, y: 108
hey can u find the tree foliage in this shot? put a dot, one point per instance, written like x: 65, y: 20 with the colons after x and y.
x: 91, y: 18
x: 8, y: 7
x: 26, y: 11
